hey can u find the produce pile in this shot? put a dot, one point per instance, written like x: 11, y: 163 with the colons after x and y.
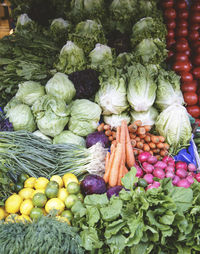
x: 97, y: 141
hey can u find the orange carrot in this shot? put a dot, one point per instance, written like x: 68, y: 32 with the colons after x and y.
x: 137, y: 139
x: 156, y: 150
x: 147, y: 138
x: 132, y: 136
x: 108, y: 133
x: 158, y: 157
x: 142, y: 136
x: 161, y: 138
x: 130, y: 158
x: 152, y: 145
x: 118, y: 134
x: 125, y: 170
x: 160, y: 145
x: 146, y: 148
x: 110, y: 138
x: 139, y: 145
x: 138, y: 123
x: 120, y: 172
x: 112, y: 148
x: 142, y: 140
x: 155, y: 139
x: 133, y: 142
x: 147, y: 127
x: 107, y: 173
x: 100, y: 127
x: 132, y: 128
x: 135, y: 151
x: 114, y: 134
x: 107, y: 161
x: 151, y: 152
x: 166, y: 146
x: 106, y: 127
x: 114, y: 142
x: 123, y: 139
x: 163, y: 152
x: 141, y: 130
x: 114, y: 172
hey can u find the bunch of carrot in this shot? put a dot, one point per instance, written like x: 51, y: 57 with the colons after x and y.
x: 141, y: 139
x: 121, y: 157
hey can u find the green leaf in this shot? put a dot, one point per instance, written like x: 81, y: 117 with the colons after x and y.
x: 114, y: 227
x: 183, y: 249
x: 78, y: 209
x: 167, y: 218
x: 96, y: 200
x: 151, y: 233
x: 130, y: 179
x: 136, y: 226
x: 93, y: 216
x: 90, y: 239
x: 142, y: 248
x: 112, y: 211
x: 153, y: 216
x: 116, y: 243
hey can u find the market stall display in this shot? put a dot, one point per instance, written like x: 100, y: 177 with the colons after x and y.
x: 97, y: 141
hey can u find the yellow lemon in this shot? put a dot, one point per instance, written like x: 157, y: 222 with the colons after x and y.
x: 68, y: 178
x: 62, y: 194
x: 55, y: 204
x: 63, y: 219
x: 57, y: 179
x: 30, y: 182
x: 26, y: 206
x: 38, y: 191
x: 41, y: 183
x: 2, y: 213
x: 26, y: 193
x: 13, y: 203
x: 12, y: 218
x: 23, y: 218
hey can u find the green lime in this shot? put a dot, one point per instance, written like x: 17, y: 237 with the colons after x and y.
x: 19, y: 186
x: 36, y: 213
x: 73, y: 188
x: 80, y: 197
x: 51, y: 192
x: 70, y: 200
x: 140, y: 190
x: 142, y: 183
x: 39, y: 199
x: 67, y: 214
x: 53, y: 184
x: 22, y: 177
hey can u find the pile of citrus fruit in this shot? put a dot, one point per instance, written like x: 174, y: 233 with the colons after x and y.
x: 36, y: 197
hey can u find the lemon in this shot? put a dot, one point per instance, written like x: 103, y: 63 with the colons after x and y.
x: 36, y: 213
x: 30, y: 182
x: 12, y: 218
x: 23, y: 218
x: 54, y: 203
x: 26, y: 206
x: 63, y: 219
x: 2, y: 213
x: 38, y: 191
x: 69, y: 177
x: 39, y: 200
x: 67, y: 214
x: 13, y: 203
x: 70, y: 200
x: 62, y: 194
x: 26, y: 193
x: 73, y: 188
x: 41, y: 183
x: 57, y: 179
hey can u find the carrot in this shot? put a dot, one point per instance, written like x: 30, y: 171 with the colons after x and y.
x: 160, y: 145
x: 163, y: 153
x: 100, y: 127
x: 147, y: 138
x: 107, y: 161
x: 125, y: 170
x: 106, y: 127
x: 137, y: 139
x: 108, y: 133
x: 123, y: 139
x: 114, y: 134
x: 120, y: 173
x: 114, y: 142
x: 141, y: 130
x: 142, y: 140
x: 138, y: 123
x: 146, y: 148
x: 151, y: 152
x: 161, y: 138
x: 139, y: 145
x: 110, y: 138
x: 132, y: 128
x: 114, y: 171
x: 107, y: 173
x: 147, y: 127
x: 152, y: 145
x: 133, y: 142
x: 130, y: 158
x: 156, y: 150
x: 135, y: 151
x: 166, y: 146
x: 118, y: 134
x: 132, y: 136
x: 142, y: 136
x: 158, y: 157
x: 155, y: 139
x: 112, y: 148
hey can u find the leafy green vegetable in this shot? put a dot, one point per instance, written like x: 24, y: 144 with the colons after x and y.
x: 147, y: 117
x: 115, y: 120
x: 69, y: 137
x: 60, y: 29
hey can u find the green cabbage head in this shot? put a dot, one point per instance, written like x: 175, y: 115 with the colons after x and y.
x: 116, y: 120
x: 69, y: 137
x: 147, y: 117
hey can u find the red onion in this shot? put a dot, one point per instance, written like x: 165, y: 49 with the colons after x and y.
x: 152, y: 159
x: 142, y: 157
x: 192, y: 167
x: 192, y: 174
x: 183, y: 183
x: 190, y: 179
x: 150, y: 186
x: 197, y: 177
x: 171, y: 163
x: 160, y: 164
x: 156, y: 184
x: 181, y: 165
x: 139, y: 171
x: 182, y: 173
x: 148, y: 178
x: 175, y: 180
x: 148, y: 168
x: 167, y: 159
x: 169, y: 174
x: 159, y: 172
x: 169, y: 168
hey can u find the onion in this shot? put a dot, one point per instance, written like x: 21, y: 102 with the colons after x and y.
x: 181, y: 165
x: 190, y: 179
x: 150, y: 186
x: 182, y: 173
x: 171, y: 163
x: 160, y: 164
x: 139, y: 171
x: 148, y: 178
x: 183, y: 183
x: 197, y: 177
x: 156, y: 184
x: 169, y: 174
x: 167, y: 159
x: 176, y: 179
x: 169, y: 168
x: 192, y: 174
x: 142, y: 157
x: 159, y: 172
x: 148, y: 168
x: 192, y: 167
x: 152, y: 159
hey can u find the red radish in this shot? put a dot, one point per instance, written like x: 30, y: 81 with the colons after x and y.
x: 156, y: 184
x: 182, y: 173
x: 183, y: 183
x: 152, y: 159
x: 170, y: 169
x: 169, y: 174
x: 139, y: 171
x: 190, y: 179
x: 182, y: 165
x: 148, y: 168
x: 171, y: 163
x: 167, y: 159
x: 192, y: 167
x: 142, y: 157
x: 149, y: 178
x: 160, y: 164
x: 159, y: 172
x: 192, y: 174
x: 175, y: 180
x: 150, y: 186
x: 198, y: 177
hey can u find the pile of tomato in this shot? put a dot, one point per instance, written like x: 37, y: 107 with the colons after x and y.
x: 183, y: 44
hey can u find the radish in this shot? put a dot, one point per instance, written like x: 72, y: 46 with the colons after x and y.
x: 192, y: 167
x: 169, y: 168
x: 190, y: 179
x: 152, y: 159
x: 148, y: 168
x: 182, y: 173
x: 167, y: 159
x: 150, y: 186
x: 192, y: 174
x: 160, y: 164
x: 139, y: 171
x: 142, y: 157
x: 176, y: 179
x: 169, y: 174
x: 148, y: 178
x: 197, y: 177
x: 156, y: 184
x: 171, y: 163
x: 159, y: 172
x: 181, y: 165
x: 183, y: 183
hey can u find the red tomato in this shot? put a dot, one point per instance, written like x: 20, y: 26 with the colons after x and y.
x: 170, y: 34
x: 195, y: 17
x: 193, y: 35
x: 181, y: 32
x: 170, y: 42
x: 180, y: 4
x: 190, y: 98
x: 182, y: 14
x: 188, y: 52
x: 180, y: 56
x: 181, y: 23
x: 195, y: 44
x: 189, y: 86
x: 195, y: 6
x: 197, y: 177
x: 181, y: 45
x: 180, y: 66
x: 171, y: 24
x: 194, y: 26
x: 194, y: 111
x: 196, y: 72
x: 197, y: 50
x: 196, y: 60
x: 170, y: 54
x: 197, y: 121
x: 167, y: 4
x: 186, y: 76
x: 170, y: 13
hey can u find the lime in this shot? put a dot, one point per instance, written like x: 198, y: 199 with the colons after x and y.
x: 69, y: 177
x: 19, y: 186
x: 62, y: 194
x: 53, y: 184
x: 26, y: 193
x: 54, y: 204
x: 38, y: 191
x: 142, y: 183
x: 26, y: 206
x: 22, y: 177
x: 41, y: 183
x: 39, y: 199
x: 67, y: 214
x: 30, y: 182
x: 13, y: 203
x: 58, y: 179
x: 80, y: 197
x: 36, y: 213
x: 73, y: 188
x: 51, y: 191
x: 70, y: 200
